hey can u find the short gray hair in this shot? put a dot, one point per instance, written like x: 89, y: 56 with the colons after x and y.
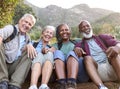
x: 48, y: 27
x: 29, y: 15
x: 79, y: 26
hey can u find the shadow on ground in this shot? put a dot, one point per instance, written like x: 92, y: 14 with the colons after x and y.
x: 89, y: 85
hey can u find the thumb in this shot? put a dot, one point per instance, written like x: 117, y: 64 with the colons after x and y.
x: 83, y: 52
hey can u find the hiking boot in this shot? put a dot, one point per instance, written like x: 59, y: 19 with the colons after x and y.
x: 13, y: 87
x: 3, y: 85
x: 60, y: 86
x: 71, y: 85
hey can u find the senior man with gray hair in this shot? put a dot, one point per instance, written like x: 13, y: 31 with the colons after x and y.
x: 14, y: 60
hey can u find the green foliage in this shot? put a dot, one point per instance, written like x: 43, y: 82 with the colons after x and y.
x: 99, y: 29
x: 35, y: 33
x: 107, y: 29
x: 20, y: 10
x: 117, y: 32
x: 7, y: 11
x: 75, y: 32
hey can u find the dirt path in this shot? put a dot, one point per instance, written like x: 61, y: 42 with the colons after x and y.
x: 90, y: 85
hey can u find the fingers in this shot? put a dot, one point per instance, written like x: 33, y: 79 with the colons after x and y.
x: 79, y: 51
x: 52, y: 49
x: 111, y: 52
x: 31, y: 52
x: 83, y: 52
x: 45, y: 50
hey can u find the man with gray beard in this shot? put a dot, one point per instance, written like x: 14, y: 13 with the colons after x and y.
x: 101, y: 55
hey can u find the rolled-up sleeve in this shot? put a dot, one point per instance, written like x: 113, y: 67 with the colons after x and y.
x: 6, y: 31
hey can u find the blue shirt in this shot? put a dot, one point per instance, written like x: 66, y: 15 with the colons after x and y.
x: 40, y: 46
x: 22, y: 43
x: 96, y: 52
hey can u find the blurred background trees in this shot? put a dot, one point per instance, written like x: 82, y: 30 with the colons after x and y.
x: 12, y: 10
x: 7, y: 11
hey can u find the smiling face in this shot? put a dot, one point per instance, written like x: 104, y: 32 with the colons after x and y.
x: 47, y: 35
x: 25, y: 24
x: 85, y: 29
x: 64, y: 32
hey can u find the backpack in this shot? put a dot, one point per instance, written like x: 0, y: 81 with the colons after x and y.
x: 11, y: 36
x: 36, y: 43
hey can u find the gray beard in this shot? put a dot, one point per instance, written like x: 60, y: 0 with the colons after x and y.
x: 87, y: 35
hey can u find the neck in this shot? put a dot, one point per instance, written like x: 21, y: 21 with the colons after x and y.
x: 87, y: 38
x: 45, y: 42
x: 65, y: 41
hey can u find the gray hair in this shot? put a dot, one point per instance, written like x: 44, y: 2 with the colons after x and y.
x: 29, y: 15
x: 49, y: 27
x: 79, y: 26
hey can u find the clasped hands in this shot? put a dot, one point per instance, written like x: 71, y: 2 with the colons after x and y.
x: 45, y: 50
x: 79, y: 51
x: 31, y: 51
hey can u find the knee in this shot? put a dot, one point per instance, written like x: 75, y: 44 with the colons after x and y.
x: 72, y: 59
x: 59, y: 62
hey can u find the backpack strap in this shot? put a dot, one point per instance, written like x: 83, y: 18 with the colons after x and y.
x: 11, y: 36
x: 73, y: 41
x: 36, y: 43
x: 60, y: 43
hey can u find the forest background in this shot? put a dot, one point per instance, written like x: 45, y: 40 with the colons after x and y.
x: 12, y: 10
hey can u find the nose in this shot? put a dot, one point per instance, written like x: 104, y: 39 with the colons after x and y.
x: 86, y: 27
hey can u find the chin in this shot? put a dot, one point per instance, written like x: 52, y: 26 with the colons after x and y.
x: 87, y: 35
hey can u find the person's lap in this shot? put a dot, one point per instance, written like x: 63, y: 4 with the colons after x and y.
x: 106, y: 72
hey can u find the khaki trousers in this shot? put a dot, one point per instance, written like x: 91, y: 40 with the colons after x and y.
x: 16, y: 72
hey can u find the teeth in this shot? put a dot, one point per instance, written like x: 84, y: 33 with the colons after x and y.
x: 87, y: 30
x: 65, y: 34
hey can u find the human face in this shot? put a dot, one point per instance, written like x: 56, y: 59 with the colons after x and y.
x: 64, y: 32
x: 47, y: 35
x: 25, y: 25
x: 85, y: 29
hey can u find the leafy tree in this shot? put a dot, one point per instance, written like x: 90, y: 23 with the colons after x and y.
x: 75, y: 32
x: 20, y: 10
x: 7, y: 11
x: 117, y: 32
x: 35, y: 33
